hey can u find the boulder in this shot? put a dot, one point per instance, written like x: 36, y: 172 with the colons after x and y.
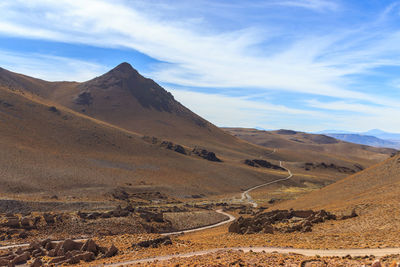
x: 37, y: 263
x: 12, y: 222
x: 234, y: 227
x: 90, y: 246
x: 112, y: 251
x: 25, y: 222
x: 70, y: 245
x: 85, y: 256
x: 23, y: 258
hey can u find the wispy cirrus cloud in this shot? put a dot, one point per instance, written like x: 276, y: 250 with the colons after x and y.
x: 52, y: 68
x: 199, y: 47
x: 319, y: 5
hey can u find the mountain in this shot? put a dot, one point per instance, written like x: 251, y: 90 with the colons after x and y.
x: 122, y: 131
x: 333, y: 132
x: 84, y: 140
x: 383, y: 135
x: 368, y: 140
x: 124, y: 98
x: 47, y: 149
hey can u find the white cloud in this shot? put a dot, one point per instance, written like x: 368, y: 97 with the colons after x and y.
x: 224, y: 110
x: 199, y: 58
x: 318, y: 5
x: 51, y: 68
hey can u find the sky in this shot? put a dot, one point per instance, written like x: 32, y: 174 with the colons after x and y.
x: 306, y: 65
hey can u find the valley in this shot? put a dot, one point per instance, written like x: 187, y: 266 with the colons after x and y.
x: 119, y: 162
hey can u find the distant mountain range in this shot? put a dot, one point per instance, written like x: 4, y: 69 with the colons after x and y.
x: 375, y: 137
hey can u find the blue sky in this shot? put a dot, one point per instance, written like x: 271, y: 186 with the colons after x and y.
x: 300, y: 64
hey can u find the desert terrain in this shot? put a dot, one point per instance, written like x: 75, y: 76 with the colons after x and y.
x: 115, y: 171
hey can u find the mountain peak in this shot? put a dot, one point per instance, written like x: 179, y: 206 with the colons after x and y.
x: 124, y: 68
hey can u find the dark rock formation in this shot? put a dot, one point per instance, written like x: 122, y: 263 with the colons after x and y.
x: 322, y: 165
x: 280, y: 221
x: 208, y: 155
x: 263, y: 164
x: 84, y: 98
x: 286, y: 132
x: 174, y: 147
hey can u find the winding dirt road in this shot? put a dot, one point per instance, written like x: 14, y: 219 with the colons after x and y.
x: 379, y: 252
x: 231, y: 218
x: 245, y: 195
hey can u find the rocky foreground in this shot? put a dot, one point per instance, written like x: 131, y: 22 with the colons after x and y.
x: 50, y: 252
x: 284, y: 221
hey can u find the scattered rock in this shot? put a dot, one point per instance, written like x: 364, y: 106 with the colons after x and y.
x: 37, y: 263
x: 353, y: 214
x: 171, y: 146
x: 208, y: 155
x: 23, y: 258
x: 112, y: 251
x: 152, y: 216
x: 49, y: 218
x: 90, y: 246
x: 70, y: 245
x: 12, y: 222
x: 54, y: 109
x: 288, y: 221
x: 262, y: 163
x: 322, y: 165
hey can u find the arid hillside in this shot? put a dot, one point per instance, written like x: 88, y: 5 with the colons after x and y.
x: 310, y: 153
x: 125, y: 98
x: 50, y: 150
x: 375, y: 186
x: 121, y: 130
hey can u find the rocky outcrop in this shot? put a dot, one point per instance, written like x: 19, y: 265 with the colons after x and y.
x: 285, y: 221
x: 308, y: 166
x: 263, y: 164
x: 57, y: 253
x: 205, y: 154
x: 174, y: 147
x: 166, y: 144
x: 286, y: 132
x: 84, y: 98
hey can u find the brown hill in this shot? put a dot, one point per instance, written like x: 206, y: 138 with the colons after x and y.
x: 126, y: 99
x: 307, y: 153
x: 47, y: 149
x: 374, y: 196
x: 93, y: 140
x: 375, y: 186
